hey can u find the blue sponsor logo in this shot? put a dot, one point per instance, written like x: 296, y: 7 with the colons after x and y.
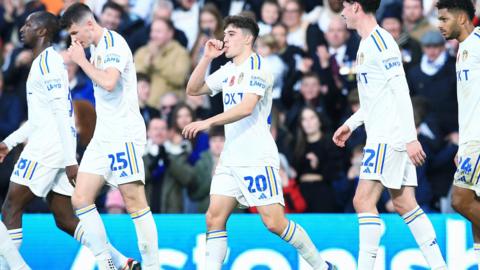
x: 115, y: 58
x: 392, y: 63
x: 232, y: 98
x: 256, y: 81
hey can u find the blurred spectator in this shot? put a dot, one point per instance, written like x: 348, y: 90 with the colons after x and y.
x: 235, y: 7
x: 409, y: 47
x: 414, y: 21
x: 322, y: 15
x: 270, y: 14
x: 164, y: 60
x: 292, y: 56
x: 359, y: 136
x: 199, y: 105
x: 297, y: 28
x: 185, y: 17
x: 267, y: 47
x: 130, y: 22
x: 167, y: 102
x: 81, y: 87
x: 13, y: 14
x: 111, y: 15
x: 317, y: 162
x: 343, y: 52
x: 15, y: 71
x: 143, y: 89
x: 141, y: 9
x: 202, y: 172
x: 280, y: 133
x: 435, y: 80
x: 162, y: 10
x: 156, y: 162
x: 114, y: 202
x: 11, y: 115
x: 211, y: 26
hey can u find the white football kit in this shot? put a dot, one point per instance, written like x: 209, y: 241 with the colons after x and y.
x: 116, y: 149
x: 386, y: 111
x: 468, y: 81
x: 249, y: 163
x: 50, y: 129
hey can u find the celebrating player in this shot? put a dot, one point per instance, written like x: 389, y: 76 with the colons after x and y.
x: 248, y: 168
x: 392, y: 149
x: 115, y: 153
x: 455, y: 22
x: 48, y: 162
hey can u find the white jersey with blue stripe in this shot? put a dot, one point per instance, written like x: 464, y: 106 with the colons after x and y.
x: 47, y: 80
x: 468, y: 83
x: 248, y: 141
x: 118, y: 113
x: 378, y: 61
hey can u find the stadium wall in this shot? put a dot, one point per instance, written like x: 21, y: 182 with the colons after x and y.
x: 182, y: 243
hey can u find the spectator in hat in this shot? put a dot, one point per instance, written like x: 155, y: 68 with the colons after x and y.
x: 434, y: 79
x: 409, y: 47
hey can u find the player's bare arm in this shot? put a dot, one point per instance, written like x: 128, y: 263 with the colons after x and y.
x: 242, y: 110
x: 196, y: 84
x: 107, y: 78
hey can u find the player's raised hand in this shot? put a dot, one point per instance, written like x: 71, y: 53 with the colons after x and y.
x: 3, y: 151
x: 415, y: 153
x: 341, y: 135
x: 76, y: 52
x: 191, y: 130
x: 71, y: 172
x: 214, y: 48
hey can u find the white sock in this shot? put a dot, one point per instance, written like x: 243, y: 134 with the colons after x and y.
x: 424, y: 234
x: 147, y: 238
x: 370, y: 232
x: 119, y: 260
x: 216, y: 249
x: 9, y: 251
x: 17, y: 236
x: 93, y: 229
x: 476, y: 249
x: 296, y: 236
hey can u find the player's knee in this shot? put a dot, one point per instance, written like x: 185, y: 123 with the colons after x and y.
x: 214, y: 220
x: 362, y: 203
x: 459, y: 203
x: 80, y: 200
x: 272, y: 224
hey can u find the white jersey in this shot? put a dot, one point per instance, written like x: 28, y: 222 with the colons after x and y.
x: 248, y: 142
x: 378, y: 61
x: 468, y: 83
x: 47, y: 83
x: 118, y: 114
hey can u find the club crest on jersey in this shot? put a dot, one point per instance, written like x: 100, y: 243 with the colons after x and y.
x: 464, y: 55
x: 361, y: 58
x: 240, y: 78
x: 232, y: 81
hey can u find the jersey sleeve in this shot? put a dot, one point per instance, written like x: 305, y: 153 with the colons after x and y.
x: 117, y: 53
x: 55, y: 82
x: 215, y: 80
x: 391, y: 61
x: 256, y: 82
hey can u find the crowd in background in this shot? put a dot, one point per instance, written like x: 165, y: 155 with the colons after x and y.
x: 311, y: 55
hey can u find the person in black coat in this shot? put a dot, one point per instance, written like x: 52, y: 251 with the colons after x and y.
x: 435, y: 80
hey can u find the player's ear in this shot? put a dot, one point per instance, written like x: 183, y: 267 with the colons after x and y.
x: 249, y: 39
x: 42, y: 32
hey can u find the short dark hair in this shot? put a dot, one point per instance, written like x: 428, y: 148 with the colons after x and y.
x: 368, y: 6
x: 74, y: 14
x: 459, y: 5
x: 311, y: 74
x: 114, y: 6
x: 244, y: 23
x: 143, y: 77
x: 48, y: 21
x: 216, y: 131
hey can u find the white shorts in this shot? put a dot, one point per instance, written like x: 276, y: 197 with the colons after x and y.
x: 468, y: 171
x: 119, y: 163
x: 391, y: 167
x: 40, y: 179
x: 251, y: 186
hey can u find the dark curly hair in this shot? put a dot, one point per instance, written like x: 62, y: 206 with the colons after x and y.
x: 459, y: 5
